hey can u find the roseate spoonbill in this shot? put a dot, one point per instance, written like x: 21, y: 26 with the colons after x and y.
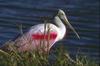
x: 43, y: 36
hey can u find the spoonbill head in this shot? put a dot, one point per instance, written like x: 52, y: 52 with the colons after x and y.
x: 63, y: 17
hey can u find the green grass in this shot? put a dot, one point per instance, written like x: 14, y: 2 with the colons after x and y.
x: 57, y: 57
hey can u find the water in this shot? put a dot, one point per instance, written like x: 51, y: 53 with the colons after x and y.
x: 82, y: 14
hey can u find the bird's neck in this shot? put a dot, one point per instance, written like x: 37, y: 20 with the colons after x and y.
x: 61, y: 26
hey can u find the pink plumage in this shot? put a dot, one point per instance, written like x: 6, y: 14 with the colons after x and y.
x: 37, y: 41
x: 50, y: 36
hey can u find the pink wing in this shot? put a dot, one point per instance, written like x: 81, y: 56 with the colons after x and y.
x: 37, y: 39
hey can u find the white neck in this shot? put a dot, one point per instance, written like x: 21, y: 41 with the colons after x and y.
x: 61, y: 26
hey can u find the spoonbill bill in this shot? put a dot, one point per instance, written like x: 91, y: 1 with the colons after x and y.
x: 43, y: 36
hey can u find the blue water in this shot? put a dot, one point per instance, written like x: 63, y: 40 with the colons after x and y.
x: 82, y: 14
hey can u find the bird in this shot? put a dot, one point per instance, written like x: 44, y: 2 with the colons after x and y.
x: 43, y: 36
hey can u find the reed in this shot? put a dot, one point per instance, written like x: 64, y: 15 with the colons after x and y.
x: 57, y: 57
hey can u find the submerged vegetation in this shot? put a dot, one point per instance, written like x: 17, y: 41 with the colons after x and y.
x: 57, y: 57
